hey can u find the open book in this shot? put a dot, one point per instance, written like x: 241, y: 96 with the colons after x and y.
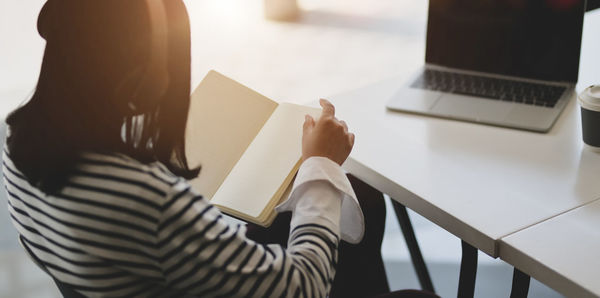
x: 249, y: 147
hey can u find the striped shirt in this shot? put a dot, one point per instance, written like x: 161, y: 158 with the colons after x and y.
x: 120, y: 228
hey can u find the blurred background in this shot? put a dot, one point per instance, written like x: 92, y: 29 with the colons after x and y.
x: 329, y: 47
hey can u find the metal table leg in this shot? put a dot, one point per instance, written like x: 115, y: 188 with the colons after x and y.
x: 413, y: 246
x: 468, y: 271
x: 520, y: 285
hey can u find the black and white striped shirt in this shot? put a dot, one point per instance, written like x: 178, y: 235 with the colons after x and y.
x: 121, y: 228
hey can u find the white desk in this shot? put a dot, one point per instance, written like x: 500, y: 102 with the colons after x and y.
x: 480, y: 183
x: 561, y: 252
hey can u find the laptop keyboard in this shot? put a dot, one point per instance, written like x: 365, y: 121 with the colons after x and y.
x: 491, y: 88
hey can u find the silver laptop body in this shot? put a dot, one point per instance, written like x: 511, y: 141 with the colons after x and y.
x: 531, y: 100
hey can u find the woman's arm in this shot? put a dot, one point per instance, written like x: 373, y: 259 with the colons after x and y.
x: 202, y: 254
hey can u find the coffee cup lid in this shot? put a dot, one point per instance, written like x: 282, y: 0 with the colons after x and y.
x: 590, y: 98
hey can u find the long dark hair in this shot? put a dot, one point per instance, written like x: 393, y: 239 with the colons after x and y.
x: 94, y: 50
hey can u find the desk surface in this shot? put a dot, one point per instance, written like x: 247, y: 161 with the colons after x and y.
x: 480, y: 183
x: 561, y: 252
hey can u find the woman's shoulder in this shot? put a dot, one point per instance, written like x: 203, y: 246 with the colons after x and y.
x: 110, y: 175
x: 127, y: 172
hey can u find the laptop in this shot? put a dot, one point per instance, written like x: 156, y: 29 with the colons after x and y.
x: 511, y: 63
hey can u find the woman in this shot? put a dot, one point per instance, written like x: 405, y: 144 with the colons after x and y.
x: 96, y: 173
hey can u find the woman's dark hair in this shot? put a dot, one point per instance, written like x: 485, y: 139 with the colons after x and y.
x: 96, y: 51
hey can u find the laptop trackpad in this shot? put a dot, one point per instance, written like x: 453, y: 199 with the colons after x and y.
x: 409, y: 99
x: 473, y: 108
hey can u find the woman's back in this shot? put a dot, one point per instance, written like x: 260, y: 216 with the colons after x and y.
x: 122, y: 228
x: 99, y: 231
x: 113, y: 80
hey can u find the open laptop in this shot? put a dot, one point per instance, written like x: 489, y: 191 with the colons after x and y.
x: 511, y: 63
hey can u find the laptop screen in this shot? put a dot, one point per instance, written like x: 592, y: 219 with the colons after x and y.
x: 538, y: 39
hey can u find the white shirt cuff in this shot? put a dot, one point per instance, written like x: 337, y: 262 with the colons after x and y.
x: 315, y: 169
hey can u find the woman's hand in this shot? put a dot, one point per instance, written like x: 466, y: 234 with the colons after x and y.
x: 327, y: 137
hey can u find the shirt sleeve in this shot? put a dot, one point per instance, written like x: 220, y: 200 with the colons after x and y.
x: 202, y: 254
x: 320, y: 173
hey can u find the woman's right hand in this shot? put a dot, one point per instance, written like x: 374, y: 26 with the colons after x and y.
x: 327, y: 137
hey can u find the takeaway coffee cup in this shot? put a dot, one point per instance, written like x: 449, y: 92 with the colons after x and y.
x: 589, y: 100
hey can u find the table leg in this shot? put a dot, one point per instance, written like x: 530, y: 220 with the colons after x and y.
x: 520, y: 285
x: 413, y: 246
x: 468, y: 271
